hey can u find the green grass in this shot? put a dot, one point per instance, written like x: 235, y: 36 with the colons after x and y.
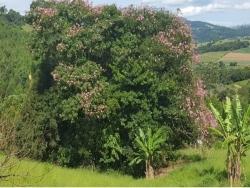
x: 206, y: 172
x: 242, y: 84
x: 243, y: 50
x: 27, y: 28
x: 239, y: 63
x: 212, y: 56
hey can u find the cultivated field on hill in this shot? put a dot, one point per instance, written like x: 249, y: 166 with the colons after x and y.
x: 243, y: 59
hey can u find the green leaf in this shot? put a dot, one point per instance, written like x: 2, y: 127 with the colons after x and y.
x: 218, y: 117
x: 217, y: 132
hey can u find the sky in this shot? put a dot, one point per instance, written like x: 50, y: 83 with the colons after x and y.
x: 220, y: 12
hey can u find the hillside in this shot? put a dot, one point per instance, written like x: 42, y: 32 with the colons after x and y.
x: 205, y: 32
x: 226, y: 50
x: 15, y: 59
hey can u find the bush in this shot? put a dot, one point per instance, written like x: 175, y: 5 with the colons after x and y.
x: 233, y: 64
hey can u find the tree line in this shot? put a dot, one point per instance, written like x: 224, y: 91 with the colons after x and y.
x: 224, y: 46
x: 11, y: 16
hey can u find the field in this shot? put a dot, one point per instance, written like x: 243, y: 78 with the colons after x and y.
x: 241, y: 56
x: 207, y: 171
x: 212, y: 56
x: 243, y: 59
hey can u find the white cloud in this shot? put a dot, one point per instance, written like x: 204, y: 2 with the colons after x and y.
x: 244, y: 6
x: 216, y: 6
x: 168, y: 2
x: 193, y: 10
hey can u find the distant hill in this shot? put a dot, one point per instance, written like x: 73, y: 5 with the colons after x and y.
x: 205, y: 32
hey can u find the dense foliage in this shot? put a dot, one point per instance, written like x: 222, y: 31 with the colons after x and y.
x: 15, y: 66
x: 104, y: 73
x: 215, y: 74
x: 15, y: 60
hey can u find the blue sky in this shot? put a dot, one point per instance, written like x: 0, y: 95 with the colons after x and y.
x: 221, y: 12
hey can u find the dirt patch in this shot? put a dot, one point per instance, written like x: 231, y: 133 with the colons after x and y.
x: 170, y: 167
x: 238, y: 57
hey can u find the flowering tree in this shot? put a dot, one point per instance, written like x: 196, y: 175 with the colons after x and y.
x: 103, y: 73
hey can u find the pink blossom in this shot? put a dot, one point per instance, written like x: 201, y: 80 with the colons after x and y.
x: 200, y: 90
x: 48, y: 12
x: 74, y: 30
x: 60, y: 47
x: 140, y: 18
x: 197, y: 109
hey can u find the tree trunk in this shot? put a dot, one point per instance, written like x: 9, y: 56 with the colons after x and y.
x: 234, y: 170
x: 237, y: 170
x: 229, y: 168
x: 149, y: 170
x: 230, y: 172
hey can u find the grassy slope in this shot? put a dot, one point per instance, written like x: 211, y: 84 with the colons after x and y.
x: 241, y: 84
x: 207, y: 172
x: 212, y: 56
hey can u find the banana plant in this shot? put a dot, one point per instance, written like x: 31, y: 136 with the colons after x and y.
x: 234, y: 132
x: 149, y: 145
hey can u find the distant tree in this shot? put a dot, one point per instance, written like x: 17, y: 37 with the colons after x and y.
x: 221, y: 64
x: 233, y: 64
x: 14, y: 17
x: 3, y: 10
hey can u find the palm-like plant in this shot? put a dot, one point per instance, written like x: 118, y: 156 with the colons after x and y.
x: 149, y: 145
x: 234, y: 131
